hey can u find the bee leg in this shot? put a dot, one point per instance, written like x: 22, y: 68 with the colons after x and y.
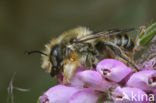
x: 69, y: 70
x: 118, y: 51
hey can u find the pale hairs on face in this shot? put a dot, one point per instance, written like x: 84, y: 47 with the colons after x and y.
x: 80, y: 31
x: 45, y: 59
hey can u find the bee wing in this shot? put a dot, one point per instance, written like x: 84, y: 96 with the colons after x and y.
x: 101, y: 34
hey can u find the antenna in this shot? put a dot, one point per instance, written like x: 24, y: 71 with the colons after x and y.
x: 35, y: 51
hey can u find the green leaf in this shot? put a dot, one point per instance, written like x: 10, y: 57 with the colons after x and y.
x: 147, y: 38
x: 150, y: 28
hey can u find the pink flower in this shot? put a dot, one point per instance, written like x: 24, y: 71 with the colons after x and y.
x: 113, y: 70
x: 145, y: 80
x: 90, y: 78
x: 94, y: 79
x: 76, y: 82
x: 129, y: 95
x: 87, y: 95
x: 64, y: 94
x: 58, y: 94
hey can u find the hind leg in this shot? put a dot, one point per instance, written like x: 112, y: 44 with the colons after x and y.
x: 118, y: 51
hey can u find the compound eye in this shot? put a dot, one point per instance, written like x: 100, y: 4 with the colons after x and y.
x: 56, y: 59
x: 56, y: 55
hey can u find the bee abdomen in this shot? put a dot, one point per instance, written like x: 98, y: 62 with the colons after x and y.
x: 124, y: 41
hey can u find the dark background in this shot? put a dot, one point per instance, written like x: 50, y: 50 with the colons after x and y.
x: 29, y: 24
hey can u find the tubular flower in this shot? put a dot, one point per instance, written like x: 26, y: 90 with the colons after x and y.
x: 64, y: 94
x: 129, y: 95
x: 58, y: 94
x: 75, y: 81
x: 145, y: 80
x: 90, y: 78
x: 94, y: 79
x: 85, y: 96
x: 113, y: 70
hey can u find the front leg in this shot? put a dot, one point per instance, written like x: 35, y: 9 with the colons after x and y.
x: 70, y: 66
x: 69, y: 70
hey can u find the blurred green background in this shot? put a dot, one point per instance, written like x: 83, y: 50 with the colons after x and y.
x: 29, y: 24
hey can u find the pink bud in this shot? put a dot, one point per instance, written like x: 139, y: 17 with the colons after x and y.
x: 129, y: 95
x: 94, y: 79
x: 76, y: 82
x: 90, y: 78
x: 87, y: 95
x: 58, y: 94
x: 113, y: 70
x: 145, y: 80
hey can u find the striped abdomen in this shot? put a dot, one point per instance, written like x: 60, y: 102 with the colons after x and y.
x: 124, y: 41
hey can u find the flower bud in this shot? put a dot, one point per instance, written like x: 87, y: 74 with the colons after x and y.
x: 129, y: 95
x: 145, y: 80
x: 94, y: 79
x: 58, y: 94
x: 113, y: 70
x: 90, y: 78
x: 86, y: 95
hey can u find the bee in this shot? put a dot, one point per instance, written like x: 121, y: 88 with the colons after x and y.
x: 81, y: 47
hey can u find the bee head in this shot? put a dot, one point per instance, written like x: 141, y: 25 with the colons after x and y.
x: 56, y: 59
x: 52, y: 61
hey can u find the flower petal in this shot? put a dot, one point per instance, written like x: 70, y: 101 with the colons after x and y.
x: 76, y: 82
x: 94, y: 79
x: 113, y: 69
x: 58, y: 94
x: 90, y: 78
x: 129, y: 95
x: 87, y: 95
x: 145, y: 80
